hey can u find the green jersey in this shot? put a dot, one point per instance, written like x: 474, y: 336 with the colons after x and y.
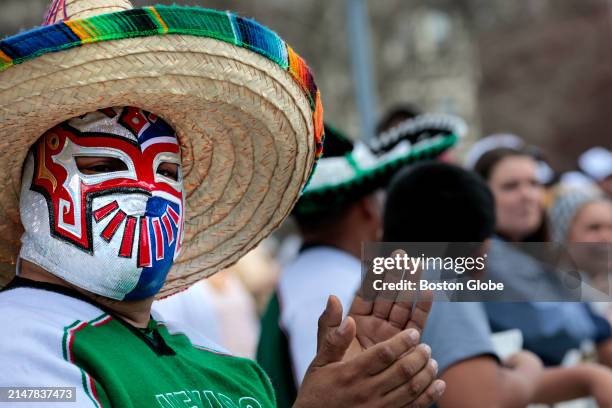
x: 56, y: 338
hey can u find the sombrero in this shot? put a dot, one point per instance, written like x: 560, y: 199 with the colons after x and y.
x: 246, y: 110
x: 349, y: 171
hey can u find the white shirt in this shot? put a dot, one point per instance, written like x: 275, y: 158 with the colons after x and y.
x: 226, y: 316
x: 304, y: 287
x: 193, y: 306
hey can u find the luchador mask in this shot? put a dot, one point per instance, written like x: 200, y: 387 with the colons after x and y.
x: 112, y: 230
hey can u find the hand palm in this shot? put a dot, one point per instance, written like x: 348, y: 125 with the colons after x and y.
x: 381, y: 319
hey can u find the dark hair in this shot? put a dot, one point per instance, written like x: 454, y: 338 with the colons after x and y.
x: 394, y: 116
x: 488, y: 161
x: 485, y: 166
x: 313, y: 222
x: 438, y: 202
x: 336, y: 143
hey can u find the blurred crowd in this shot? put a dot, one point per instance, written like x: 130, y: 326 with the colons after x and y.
x: 503, y: 192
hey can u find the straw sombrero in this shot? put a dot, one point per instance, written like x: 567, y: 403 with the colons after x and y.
x: 244, y: 105
x: 349, y: 171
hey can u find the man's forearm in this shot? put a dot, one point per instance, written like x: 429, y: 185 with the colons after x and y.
x: 519, y: 377
x: 604, y: 352
x: 516, y: 387
x: 481, y: 382
x: 562, y: 384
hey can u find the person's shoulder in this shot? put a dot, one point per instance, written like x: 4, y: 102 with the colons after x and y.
x: 33, y: 338
x: 196, y: 337
x: 322, y: 257
x: 314, y: 264
x: 305, y: 284
x: 458, y: 331
x: 461, y: 316
x: 216, y: 355
x: 30, y: 312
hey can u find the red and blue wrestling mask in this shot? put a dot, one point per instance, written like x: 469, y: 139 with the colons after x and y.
x: 102, y: 202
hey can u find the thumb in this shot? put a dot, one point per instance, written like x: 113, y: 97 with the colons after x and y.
x: 334, y: 335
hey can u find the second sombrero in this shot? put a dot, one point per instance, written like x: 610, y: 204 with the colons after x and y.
x: 349, y: 171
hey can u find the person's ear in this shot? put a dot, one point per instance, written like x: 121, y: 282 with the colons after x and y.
x: 368, y: 206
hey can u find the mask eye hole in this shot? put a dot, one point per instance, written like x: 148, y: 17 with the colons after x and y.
x: 99, y: 165
x: 169, y: 170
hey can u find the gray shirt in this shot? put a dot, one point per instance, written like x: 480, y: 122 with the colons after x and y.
x: 457, y: 331
x: 550, y: 327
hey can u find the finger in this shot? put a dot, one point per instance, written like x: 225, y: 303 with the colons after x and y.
x: 411, y: 374
x: 400, y: 314
x: 384, y: 354
x: 333, y: 340
x: 336, y: 343
x: 431, y: 395
x: 361, y: 306
x: 329, y: 319
x: 421, y: 310
x: 385, y: 299
x: 408, y: 312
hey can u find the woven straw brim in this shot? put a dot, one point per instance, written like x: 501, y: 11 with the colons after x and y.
x: 245, y: 128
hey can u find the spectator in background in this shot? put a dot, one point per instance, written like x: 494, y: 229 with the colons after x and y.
x: 455, y: 205
x: 546, y: 175
x: 581, y: 220
x: 512, y: 176
x: 490, y: 143
x: 593, y: 222
x: 581, y: 215
x: 550, y: 329
x: 597, y: 164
